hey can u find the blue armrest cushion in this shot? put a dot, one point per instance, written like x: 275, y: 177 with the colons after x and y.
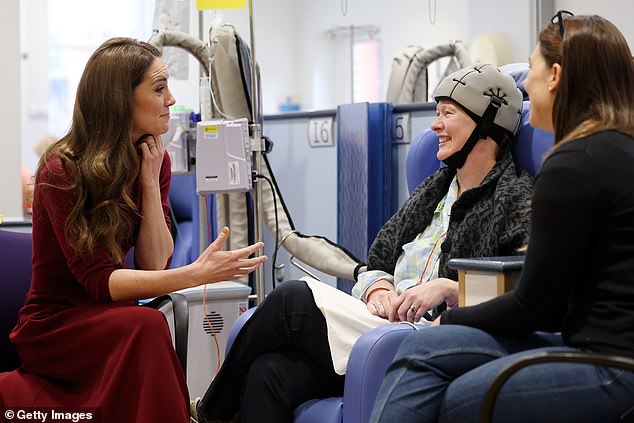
x: 237, y: 327
x: 369, y: 359
x: 321, y: 410
x: 488, y: 264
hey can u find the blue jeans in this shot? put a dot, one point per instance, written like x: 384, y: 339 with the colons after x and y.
x: 441, y: 374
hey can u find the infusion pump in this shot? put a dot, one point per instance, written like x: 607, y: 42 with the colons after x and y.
x: 219, y: 151
x: 223, y: 156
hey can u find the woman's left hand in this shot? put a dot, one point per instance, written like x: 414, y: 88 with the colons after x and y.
x: 412, y: 304
x: 154, y: 243
x: 152, y: 152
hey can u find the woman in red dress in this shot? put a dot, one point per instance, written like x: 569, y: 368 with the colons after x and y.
x: 101, y: 190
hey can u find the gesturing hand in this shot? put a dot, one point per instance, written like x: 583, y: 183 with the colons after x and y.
x: 216, y: 265
x: 414, y: 302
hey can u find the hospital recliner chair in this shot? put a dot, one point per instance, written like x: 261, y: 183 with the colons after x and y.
x: 15, y: 265
x: 488, y: 403
x: 16, y: 268
x: 374, y: 351
x: 16, y: 248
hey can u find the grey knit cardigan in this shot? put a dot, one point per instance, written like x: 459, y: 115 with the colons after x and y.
x: 489, y: 220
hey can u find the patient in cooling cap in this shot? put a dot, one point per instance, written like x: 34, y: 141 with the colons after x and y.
x: 296, y: 345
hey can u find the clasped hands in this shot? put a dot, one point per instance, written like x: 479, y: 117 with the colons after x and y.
x: 413, y: 303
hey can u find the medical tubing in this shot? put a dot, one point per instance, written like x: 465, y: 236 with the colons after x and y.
x: 344, y: 259
x: 213, y: 332
x: 277, y: 232
x: 289, y: 232
x: 197, y: 48
x: 420, y: 62
x: 275, y: 188
x: 174, y: 222
x: 212, y: 47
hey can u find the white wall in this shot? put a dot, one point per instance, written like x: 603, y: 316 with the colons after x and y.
x: 34, y: 71
x: 276, y: 25
x: 324, y: 76
x: 619, y: 12
x: 186, y: 91
x: 296, y: 57
x: 512, y: 19
x: 10, y: 154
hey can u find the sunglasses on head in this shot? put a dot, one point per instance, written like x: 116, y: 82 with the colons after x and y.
x: 559, y: 19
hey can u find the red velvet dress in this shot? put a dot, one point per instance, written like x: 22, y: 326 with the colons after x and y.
x: 78, y: 347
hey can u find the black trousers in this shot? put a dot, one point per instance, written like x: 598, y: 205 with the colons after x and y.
x: 280, y: 359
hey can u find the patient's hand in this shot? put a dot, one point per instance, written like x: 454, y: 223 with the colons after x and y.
x: 380, y: 302
x: 412, y: 304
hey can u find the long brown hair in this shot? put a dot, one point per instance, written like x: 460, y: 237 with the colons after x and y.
x: 596, y: 89
x: 98, y: 152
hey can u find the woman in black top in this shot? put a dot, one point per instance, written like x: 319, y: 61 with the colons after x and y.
x: 578, y: 277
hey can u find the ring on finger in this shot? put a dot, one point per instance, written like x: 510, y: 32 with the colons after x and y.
x: 413, y: 309
x: 151, y: 145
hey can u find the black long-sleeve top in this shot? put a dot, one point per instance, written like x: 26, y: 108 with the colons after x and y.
x: 578, y: 276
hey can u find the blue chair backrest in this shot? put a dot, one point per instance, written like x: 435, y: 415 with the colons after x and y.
x: 531, y: 145
x: 421, y: 160
x: 16, y: 268
x: 184, y: 204
x: 518, y: 71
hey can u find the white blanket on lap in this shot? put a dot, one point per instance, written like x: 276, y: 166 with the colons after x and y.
x: 346, y: 317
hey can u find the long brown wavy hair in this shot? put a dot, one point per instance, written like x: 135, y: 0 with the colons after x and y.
x: 98, y: 150
x: 596, y: 90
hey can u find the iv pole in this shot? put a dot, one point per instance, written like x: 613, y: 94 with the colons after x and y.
x: 256, y: 148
